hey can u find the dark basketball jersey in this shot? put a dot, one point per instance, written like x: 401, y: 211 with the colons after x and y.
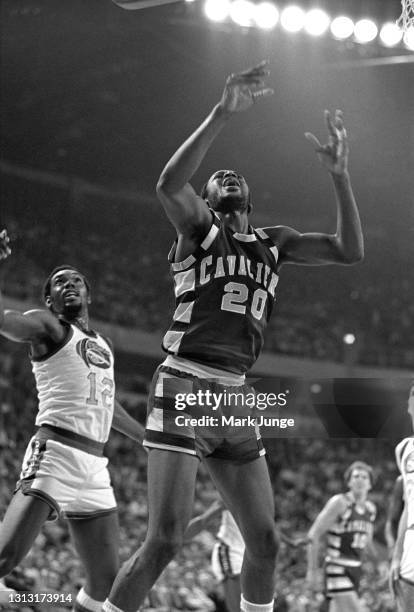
x: 351, y: 533
x: 224, y: 296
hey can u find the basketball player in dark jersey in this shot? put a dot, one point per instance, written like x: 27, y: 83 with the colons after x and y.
x: 347, y: 521
x: 64, y: 471
x: 225, y: 276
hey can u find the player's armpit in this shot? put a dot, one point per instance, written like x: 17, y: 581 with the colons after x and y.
x: 307, y: 249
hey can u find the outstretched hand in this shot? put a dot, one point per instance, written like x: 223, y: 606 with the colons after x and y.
x: 5, y: 250
x: 334, y: 154
x: 245, y: 88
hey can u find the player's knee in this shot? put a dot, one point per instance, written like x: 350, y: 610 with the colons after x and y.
x: 265, y: 545
x: 167, y: 540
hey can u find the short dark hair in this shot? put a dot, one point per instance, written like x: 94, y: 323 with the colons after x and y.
x: 48, y: 281
x: 359, y: 465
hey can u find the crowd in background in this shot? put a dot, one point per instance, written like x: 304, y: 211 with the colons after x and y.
x: 305, y: 473
x: 127, y: 265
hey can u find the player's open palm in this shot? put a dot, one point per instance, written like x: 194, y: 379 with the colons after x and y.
x: 334, y: 154
x: 243, y: 89
x: 5, y: 250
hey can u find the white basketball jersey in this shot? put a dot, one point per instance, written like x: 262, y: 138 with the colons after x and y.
x: 229, y: 533
x: 404, y: 453
x: 76, y: 386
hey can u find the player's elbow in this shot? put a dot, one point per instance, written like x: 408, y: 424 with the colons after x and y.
x: 353, y: 256
x: 165, y: 186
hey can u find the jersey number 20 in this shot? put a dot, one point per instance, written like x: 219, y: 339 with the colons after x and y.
x: 237, y: 296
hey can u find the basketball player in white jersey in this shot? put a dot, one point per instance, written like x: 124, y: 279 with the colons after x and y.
x: 402, y: 565
x: 228, y: 551
x: 64, y: 471
x: 347, y: 522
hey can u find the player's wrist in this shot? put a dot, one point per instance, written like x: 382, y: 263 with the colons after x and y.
x: 221, y: 112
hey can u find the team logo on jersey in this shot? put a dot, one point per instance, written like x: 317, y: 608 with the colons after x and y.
x: 409, y: 462
x: 93, y: 354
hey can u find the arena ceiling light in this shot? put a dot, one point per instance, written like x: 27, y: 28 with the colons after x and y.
x: 241, y: 12
x: 316, y: 22
x: 409, y: 38
x: 390, y: 34
x: 266, y: 15
x: 365, y: 31
x: 342, y: 27
x: 217, y: 10
x: 292, y: 18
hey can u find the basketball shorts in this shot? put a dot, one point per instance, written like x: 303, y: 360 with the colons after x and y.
x: 74, y: 482
x: 185, y: 415
x: 226, y: 562
x: 340, y: 579
x: 407, y: 560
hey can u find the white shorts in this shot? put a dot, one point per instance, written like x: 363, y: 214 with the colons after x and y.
x: 407, y: 560
x: 76, y: 484
x: 226, y: 562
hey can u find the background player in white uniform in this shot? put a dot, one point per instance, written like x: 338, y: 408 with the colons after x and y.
x: 225, y: 275
x: 64, y: 470
x: 347, y: 522
x: 402, y: 565
x: 228, y: 551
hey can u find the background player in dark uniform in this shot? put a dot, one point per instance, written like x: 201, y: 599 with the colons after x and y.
x: 225, y: 277
x: 64, y: 470
x: 347, y: 521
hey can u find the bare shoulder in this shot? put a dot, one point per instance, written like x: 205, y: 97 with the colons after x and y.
x: 371, y: 506
x: 338, y: 502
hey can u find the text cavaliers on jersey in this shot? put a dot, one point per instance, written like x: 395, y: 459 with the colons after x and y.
x: 224, y: 297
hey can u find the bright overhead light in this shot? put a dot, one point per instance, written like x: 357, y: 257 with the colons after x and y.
x: 365, y: 30
x: 292, y: 18
x: 217, y: 10
x: 342, y: 27
x: 390, y: 34
x: 349, y: 339
x: 266, y: 15
x: 241, y: 11
x: 409, y: 38
x: 316, y: 22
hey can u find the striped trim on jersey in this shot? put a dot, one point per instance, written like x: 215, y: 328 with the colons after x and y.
x: 338, y: 580
x: 185, y: 279
x: 184, y: 285
x: 224, y: 560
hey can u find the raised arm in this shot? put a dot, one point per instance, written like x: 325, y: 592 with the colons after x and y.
x: 346, y: 246
x: 323, y: 522
x: 185, y: 209
x: 34, y: 326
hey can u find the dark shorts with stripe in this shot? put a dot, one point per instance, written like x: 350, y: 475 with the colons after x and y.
x: 183, y: 416
x: 341, y: 579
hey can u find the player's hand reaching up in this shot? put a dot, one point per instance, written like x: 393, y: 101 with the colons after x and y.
x: 245, y: 88
x: 5, y: 250
x: 334, y: 154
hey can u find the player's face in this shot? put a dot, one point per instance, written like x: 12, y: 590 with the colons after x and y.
x: 227, y: 191
x: 359, y: 481
x: 68, y: 292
